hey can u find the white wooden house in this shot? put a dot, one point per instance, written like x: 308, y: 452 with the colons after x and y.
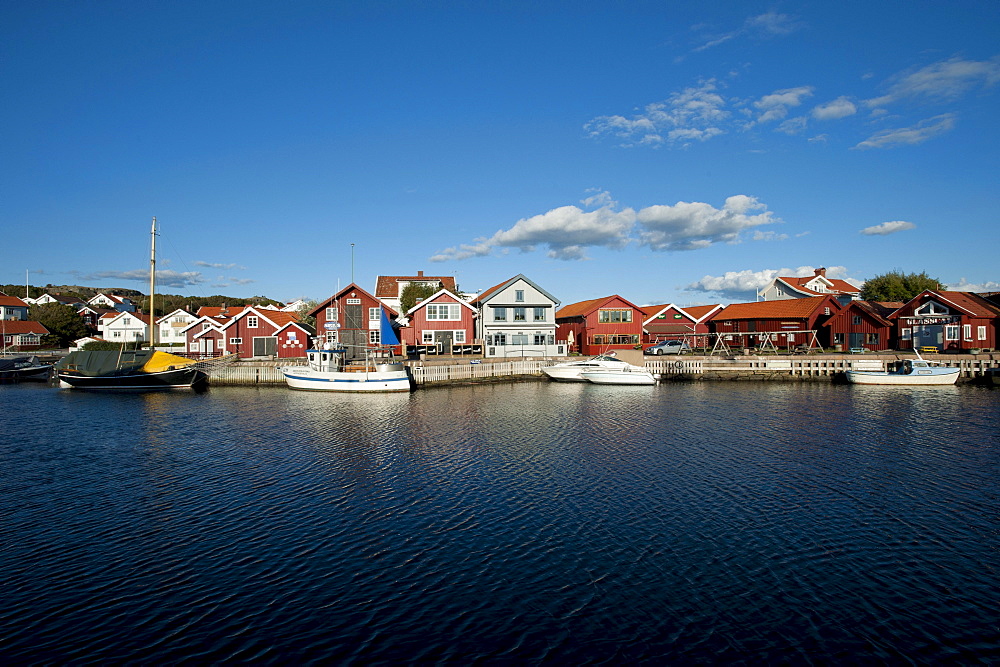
x: 517, y: 318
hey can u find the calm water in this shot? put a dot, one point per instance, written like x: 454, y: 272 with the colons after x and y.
x: 509, y: 523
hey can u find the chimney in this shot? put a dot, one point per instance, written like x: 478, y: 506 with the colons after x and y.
x: 420, y: 274
x: 223, y: 311
x: 821, y: 271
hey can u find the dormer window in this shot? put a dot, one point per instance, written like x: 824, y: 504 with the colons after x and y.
x: 932, y: 308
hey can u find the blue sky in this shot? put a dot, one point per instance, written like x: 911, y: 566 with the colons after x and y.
x: 666, y: 152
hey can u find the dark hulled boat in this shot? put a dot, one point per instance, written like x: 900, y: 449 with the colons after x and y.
x: 16, y: 369
x: 131, y: 370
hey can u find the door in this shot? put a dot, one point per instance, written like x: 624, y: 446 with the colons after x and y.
x: 354, y: 335
x: 854, y: 340
x: 208, y: 347
x: 265, y: 346
x: 444, y: 340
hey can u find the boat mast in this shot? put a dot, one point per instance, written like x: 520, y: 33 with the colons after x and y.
x: 152, y: 287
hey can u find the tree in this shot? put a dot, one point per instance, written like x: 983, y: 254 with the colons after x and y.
x: 413, y: 293
x: 63, y: 322
x: 898, y: 286
x: 304, y: 310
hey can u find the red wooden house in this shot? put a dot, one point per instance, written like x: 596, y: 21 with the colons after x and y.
x: 783, y: 323
x: 670, y: 322
x: 440, y: 324
x: 19, y: 335
x: 598, y: 325
x: 949, y: 321
x: 249, y: 332
x: 864, y: 325
x: 352, y: 318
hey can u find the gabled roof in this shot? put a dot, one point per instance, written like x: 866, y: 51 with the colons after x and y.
x: 353, y: 287
x: 877, y: 310
x: 12, y: 301
x: 172, y: 313
x: 769, y: 310
x: 836, y: 286
x: 111, y: 317
x: 387, y: 287
x: 584, y: 308
x: 19, y: 327
x: 276, y: 317
x: 431, y: 299
x: 487, y: 294
x: 968, y: 302
x: 217, y: 311
x: 61, y: 298
x: 694, y: 313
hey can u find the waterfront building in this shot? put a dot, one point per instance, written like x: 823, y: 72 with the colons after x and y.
x: 782, y: 323
x: 517, y: 318
x: 600, y: 325
x: 864, y: 326
x: 440, y: 324
x: 352, y: 318
x: 124, y: 327
x: 671, y: 322
x: 20, y: 335
x: 248, y: 331
x: 170, y: 328
x: 949, y: 321
x: 792, y: 287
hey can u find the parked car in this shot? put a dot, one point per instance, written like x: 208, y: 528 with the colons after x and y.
x: 669, y: 347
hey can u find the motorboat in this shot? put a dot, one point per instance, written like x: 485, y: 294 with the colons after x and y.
x: 633, y: 375
x: 572, y: 371
x: 128, y: 370
x: 16, y: 369
x: 327, y: 369
x: 911, y: 371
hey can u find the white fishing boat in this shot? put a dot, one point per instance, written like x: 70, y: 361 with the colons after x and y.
x: 327, y: 369
x: 633, y: 375
x: 571, y: 371
x: 911, y: 372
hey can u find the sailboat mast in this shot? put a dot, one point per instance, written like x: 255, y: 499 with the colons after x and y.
x: 152, y: 287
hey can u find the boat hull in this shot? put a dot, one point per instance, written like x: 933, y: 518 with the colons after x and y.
x: 178, y: 378
x: 303, y: 377
x: 620, y: 377
x: 875, y: 377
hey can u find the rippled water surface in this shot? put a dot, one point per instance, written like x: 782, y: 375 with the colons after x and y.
x: 503, y: 524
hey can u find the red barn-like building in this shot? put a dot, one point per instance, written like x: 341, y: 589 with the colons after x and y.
x: 598, y: 325
x: 787, y: 322
x: 440, y: 324
x: 949, y: 321
x: 864, y: 325
x: 352, y: 318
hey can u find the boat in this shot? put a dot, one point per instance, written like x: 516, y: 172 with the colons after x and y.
x: 633, y: 375
x: 910, y: 372
x: 327, y: 369
x: 132, y: 370
x: 571, y: 371
x: 129, y: 370
x: 16, y: 369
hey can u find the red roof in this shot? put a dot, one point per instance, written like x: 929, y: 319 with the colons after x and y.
x: 770, y: 310
x: 11, y: 301
x: 16, y: 327
x: 698, y: 312
x: 837, y: 286
x: 970, y: 302
x: 583, y: 308
x: 387, y: 287
x: 216, y: 311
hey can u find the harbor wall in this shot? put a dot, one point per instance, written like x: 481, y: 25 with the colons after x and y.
x: 776, y: 368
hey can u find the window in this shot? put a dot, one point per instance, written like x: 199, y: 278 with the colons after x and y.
x: 966, y: 332
x: 235, y: 341
x: 826, y: 311
x: 540, y: 339
x: 205, y: 326
x: 838, y: 339
x: 499, y: 339
x: 520, y: 314
x: 331, y: 315
x: 539, y: 314
x: 613, y: 316
x: 518, y: 339
x: 116, y: 334
x: 906, y: 333
x: 871, y: 338
x: 427, y: 337
x: 443, y: 311
x: 459, y: 336
x: 374, y: 336
x: 374, y: 315
x: 931, y: 308
x: 519, y: 296
x: 252, y: 322
x: 856, y: 320
x: 951, y: 332
x: 354, y: 302
x: 981, y: 333
x: 500, y: 315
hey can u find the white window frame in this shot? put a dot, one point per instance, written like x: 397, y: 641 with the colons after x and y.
x: 374, y: 315
x: 951, y: 332
x: 427, y: 337
x: 235, y: 341
x: 538, y: 314
x: 520, y: 314
x: 375, y: 337
x: 906, y: 333
x: 967, y: 332
x: 458, y: 335
x: 442, y: 311
x: 331, y: 314
x: 981, y: 332
x: 253, y: 322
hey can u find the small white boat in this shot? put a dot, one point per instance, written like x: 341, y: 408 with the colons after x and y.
x: 328, y: 370
x: 571, y: 371
x: 911, y: 371
x: 633, y: 375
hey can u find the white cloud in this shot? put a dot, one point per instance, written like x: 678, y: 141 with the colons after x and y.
x: 695, y: 225
x: 775, y: 106
x: 761, y: 26
x: 838, y: 108
x: 568, y: 231
x: 888, y: 228
x: 915, y: 134
x: 795, y: 125
x: 941, y: 81
x: 745, y: 284
x: 211, y: 265
x: 964, y: 286
x: 164, y: 278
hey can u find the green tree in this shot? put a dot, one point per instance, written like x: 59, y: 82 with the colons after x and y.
x: 63, y: 322
x: 898, y: 286
x: 304, y: 310
x: 414, y: 293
